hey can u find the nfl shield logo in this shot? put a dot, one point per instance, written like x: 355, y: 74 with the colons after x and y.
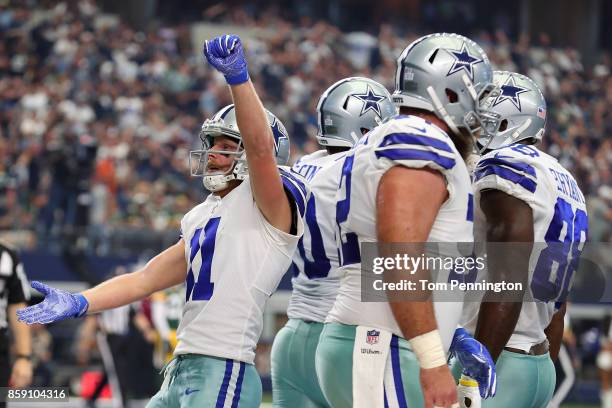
x: 372, y: 337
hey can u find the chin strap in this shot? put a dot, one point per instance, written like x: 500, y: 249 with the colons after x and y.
x: 217, y: 182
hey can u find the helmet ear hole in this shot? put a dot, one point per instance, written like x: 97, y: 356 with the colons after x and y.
x: 451, y: 95
x: 345, y: 105
x: 364, y: 130
x: 503, y: 125
x: 433, y: 56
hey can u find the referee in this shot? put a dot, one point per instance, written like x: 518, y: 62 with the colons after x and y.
x: 127, y: 360
x: 14, y: 294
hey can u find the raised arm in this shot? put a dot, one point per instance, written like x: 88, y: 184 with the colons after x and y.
x: 225, y: 54
x: 403, y: 218
x: 167, y: 269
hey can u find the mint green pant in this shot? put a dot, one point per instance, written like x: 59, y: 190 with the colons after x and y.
x: 294, y: 378
x: 523, y: 381
x: 194, y: 380
x: 334, y: 362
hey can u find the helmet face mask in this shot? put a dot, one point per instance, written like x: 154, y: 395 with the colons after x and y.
x: 223, y: 124
x: 348, y: 108
x: 515, y: 112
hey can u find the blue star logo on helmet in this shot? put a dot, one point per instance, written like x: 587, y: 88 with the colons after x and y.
x: 463, y: 61
x: 510, y: 91
x: 370, y: 101
x: 279, y: 132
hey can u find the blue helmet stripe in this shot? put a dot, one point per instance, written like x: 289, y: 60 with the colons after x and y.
x: 415, y: 139
x: 414, y: 154
x: 226, y: 110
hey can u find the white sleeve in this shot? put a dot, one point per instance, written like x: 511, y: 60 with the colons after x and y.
x: 415, y: 150
x: 502, y: 170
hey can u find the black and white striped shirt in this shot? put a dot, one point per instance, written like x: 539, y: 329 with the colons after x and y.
x: 14, y: 286
x: 116, y: 321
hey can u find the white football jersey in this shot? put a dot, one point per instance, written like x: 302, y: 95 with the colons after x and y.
x: 413, y: 142
x: 559, y: 215
x: 316, y: 279
x: 235, y: 261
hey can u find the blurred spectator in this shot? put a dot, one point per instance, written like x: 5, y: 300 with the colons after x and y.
x: 42, y: 343
x: 98, y: 118
x: 166, y: 312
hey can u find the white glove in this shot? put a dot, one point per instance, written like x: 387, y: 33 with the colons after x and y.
x: 467, y: 393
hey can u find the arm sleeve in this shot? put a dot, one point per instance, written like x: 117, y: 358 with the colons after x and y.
x: 502, y: 170
x: 416, y: 150
x: 298, y: 193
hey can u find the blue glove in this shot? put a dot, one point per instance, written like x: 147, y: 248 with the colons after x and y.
x: 58, y: 305
x: 476, y: 361
x: 225, y: 53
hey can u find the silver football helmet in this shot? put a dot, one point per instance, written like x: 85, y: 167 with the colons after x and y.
x: 224, y: 123
x: 447, y: 74
x: 517, y: 112
x: 349, y: 106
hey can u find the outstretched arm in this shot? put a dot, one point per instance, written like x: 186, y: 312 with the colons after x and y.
x: 167, y: 269
x: 225, y: 53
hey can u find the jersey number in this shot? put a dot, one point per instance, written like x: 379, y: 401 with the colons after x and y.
x: 320, y: 266
x: 348, y: 250
x: 558, y: 261
x: 200, y: 286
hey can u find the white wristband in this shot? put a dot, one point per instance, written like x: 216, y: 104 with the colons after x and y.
x: 428, y: 349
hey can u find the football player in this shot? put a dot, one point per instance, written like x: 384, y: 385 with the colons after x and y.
x: 525, y: 196
x: 234, y: 249
x: 346, y: 110
x: 405, y: 181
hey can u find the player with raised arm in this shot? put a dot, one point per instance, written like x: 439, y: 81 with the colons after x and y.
x: 405, y: 181
x: 526, y: 197
x: 234, y: 249
x: 346, y: 110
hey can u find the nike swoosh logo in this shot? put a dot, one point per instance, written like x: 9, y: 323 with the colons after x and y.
x: 422, y: 130
x: 498, y: 155
x: 190, y: 391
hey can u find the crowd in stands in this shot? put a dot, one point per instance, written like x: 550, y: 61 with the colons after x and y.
x: 97, y: 119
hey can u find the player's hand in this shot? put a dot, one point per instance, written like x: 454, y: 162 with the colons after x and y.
x: 439, y: 389
x: 476, y: 361
x: 225, y: 53
x: 57, y: 305
x: 468, y: 393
